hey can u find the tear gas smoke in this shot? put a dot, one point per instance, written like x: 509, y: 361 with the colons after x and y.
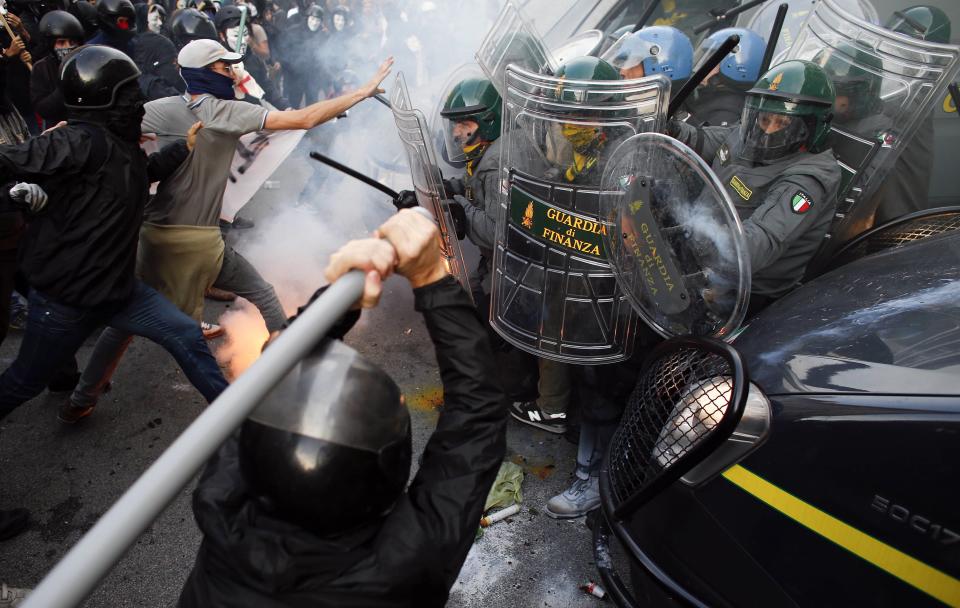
x: 291, y: 245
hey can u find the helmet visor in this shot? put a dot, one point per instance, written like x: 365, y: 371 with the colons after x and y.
x: 460, y: 135
x: 627, y: 53
x: 769, y: 131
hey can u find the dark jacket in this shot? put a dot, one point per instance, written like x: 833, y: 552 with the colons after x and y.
x: 82, y: 248
x: 410, y: 558
x: 156, y: 57
x: 45, y: 90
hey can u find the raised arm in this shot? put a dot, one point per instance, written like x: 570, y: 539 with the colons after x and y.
x: 322, y: 111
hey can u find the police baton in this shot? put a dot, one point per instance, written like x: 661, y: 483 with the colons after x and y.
x: 719, y: 18
x: 645, y: 16
x: 701, y: 73
x: 92, y: 558
x: 774, y: 37
x: 355, y: 175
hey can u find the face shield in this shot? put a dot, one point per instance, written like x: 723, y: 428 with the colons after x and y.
x: 769, y: 130
x: 460, y: 136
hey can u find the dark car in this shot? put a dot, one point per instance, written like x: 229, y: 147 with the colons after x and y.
x: 813, y: 460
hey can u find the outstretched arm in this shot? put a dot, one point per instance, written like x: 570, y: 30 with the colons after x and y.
x: 322, y: 111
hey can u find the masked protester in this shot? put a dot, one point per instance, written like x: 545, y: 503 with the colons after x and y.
x: 118, y: 25
x: 156, y: 56
x: 340, y: 530
x: 63, y: 33
x: 303, y: 51
x: 181, y: 246
x: 718, y: 101
x: 156, y: 18
x: 86, y: 13
x: 189, y: 24
x: 85, y: 186
x: 228, y: 29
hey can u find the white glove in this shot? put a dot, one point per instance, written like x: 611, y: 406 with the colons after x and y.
x: 30, y: 194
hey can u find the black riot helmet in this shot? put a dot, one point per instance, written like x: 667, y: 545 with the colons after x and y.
x: 189, y: 24
x: 86, y: 13
x: 91, y: 76
x: 228, y: 17
x: 61, y: 24
x: 329, y: 448
x: 117, y: 17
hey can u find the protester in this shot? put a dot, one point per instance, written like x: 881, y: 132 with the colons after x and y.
x: 63, y: 33
x: 181, y: 249
x: 118, y: 25
x: 85, y: 185
x: 340, y: 531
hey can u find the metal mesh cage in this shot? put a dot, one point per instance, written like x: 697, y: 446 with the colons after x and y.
x: 690, y: 392
x: 898, y: 234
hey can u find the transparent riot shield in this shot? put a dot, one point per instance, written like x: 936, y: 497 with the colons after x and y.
x: 762, y: 20
x: 427, y: 180
x: 459, y: 74
x: 554, y: 292
x: 674, y: 239
x: 512, y: 40
x: 887, y: 85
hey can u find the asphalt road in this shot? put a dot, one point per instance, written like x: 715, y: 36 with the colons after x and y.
x: 68, y: 476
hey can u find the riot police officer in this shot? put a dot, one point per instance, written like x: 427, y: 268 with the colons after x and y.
x: 778, y: 170
x: 63, y: 32
x: 718, y: 101
x: 659, y: 49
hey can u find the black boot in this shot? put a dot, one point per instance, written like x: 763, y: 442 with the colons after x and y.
x: 13, y: 522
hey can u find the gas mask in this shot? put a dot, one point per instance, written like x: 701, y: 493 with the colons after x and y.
x: 155, y: 22
x: 339, y: 22
x: 314, y: 23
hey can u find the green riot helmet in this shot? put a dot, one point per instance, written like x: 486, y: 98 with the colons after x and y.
x: 855, y: 74
x: 921, y: 22
x: 584, y: 138
x: 471, y: 118
x: 789, y: 110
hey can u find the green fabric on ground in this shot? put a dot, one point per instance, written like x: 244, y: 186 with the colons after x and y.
x: 506, y: 489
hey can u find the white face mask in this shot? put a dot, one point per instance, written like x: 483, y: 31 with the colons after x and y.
x: 313, y: 23
x: 233, y: 34
x: 339, y: 22
x: 154, y: 22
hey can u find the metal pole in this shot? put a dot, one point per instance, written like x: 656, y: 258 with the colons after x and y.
x: 652, y: 6
x: 774, y: 37
x: 355, y: 174
x: 727, y: 16
x: 698, y: 76
x: 383, y: 100
x: 92, y: 558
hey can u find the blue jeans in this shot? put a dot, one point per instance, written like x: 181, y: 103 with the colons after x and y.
x: 55, y: 332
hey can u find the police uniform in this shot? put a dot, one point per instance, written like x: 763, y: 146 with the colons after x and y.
x: 786, y: 206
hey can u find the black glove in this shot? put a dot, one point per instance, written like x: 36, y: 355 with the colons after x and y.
x: 453, y: 187
x: 406, y: 199
x: 459, y: 217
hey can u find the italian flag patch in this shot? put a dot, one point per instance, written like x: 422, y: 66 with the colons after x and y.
x: 801, y: 203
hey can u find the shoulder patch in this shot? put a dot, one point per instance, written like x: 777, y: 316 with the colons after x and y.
x: 801, y: 202
x: 741, y: 188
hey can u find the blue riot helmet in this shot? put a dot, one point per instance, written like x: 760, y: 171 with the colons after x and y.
x: 659, y: 49
x: 741, y: 68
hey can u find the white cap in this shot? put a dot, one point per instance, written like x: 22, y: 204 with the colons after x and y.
x: 201, y: 53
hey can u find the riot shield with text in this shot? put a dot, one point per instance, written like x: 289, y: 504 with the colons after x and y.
x: 674, y: 239
x: 512, y: 40
x: 886, y: 85
x: 554, y: 292
x: 427, y: 180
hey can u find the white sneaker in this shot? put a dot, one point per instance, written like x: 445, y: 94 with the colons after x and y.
x: 580, y: 498
x: 10, y: 596
x: 210, y: 330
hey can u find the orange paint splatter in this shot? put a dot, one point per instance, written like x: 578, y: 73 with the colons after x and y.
x: 426, y: 400
x: 542, y: 469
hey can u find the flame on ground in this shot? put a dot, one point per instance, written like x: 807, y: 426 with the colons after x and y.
x: 245, y: 337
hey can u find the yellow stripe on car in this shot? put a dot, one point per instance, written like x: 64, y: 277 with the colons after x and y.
x: 910, y: 570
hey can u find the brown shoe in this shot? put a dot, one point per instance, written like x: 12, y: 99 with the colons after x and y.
x: 220, y: 295
x: 72, y: 414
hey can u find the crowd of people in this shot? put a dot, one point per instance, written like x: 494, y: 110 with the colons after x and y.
x: 88, y: 246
